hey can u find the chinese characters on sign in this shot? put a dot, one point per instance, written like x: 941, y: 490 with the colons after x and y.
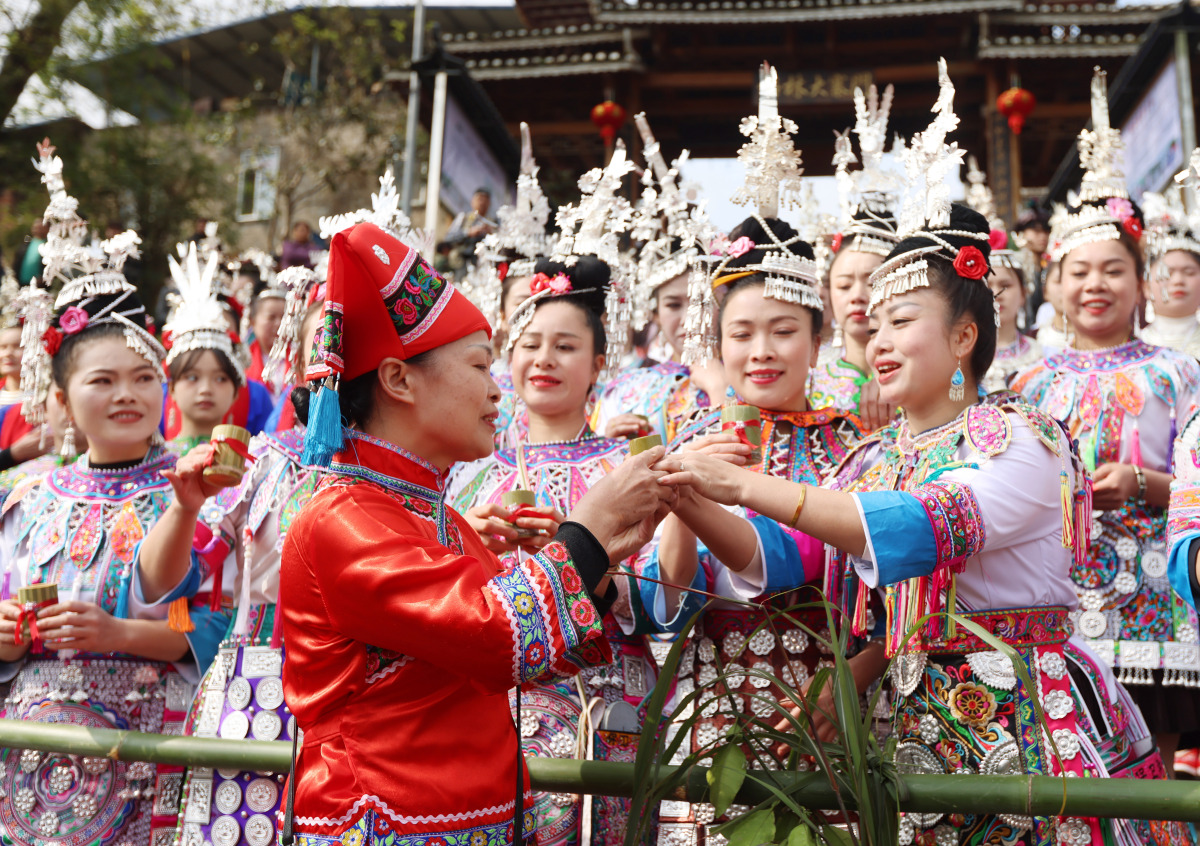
x: 803, y: 88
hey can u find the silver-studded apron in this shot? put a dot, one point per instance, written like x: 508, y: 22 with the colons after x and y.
x: 240, y: 697
x: 78, y: 528
x: 554, y: 724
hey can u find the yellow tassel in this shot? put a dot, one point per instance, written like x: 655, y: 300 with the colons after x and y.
x: 951, y: 604
x: 178, y: 617
x: 859, y: 626
x: 1066, y: 501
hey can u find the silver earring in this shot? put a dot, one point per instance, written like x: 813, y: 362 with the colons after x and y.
x: 957, y: 381
x: 68, y: 445
x: 836, y: 341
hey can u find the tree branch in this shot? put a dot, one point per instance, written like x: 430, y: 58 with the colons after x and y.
x: 30, y: 48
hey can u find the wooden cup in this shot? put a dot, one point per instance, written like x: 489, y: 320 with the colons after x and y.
x: 745, y: 421
x: 519, y: 498
x: 228, y: 467
x: 642, y: 444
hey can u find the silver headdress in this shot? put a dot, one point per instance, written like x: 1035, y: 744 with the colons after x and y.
x: 593, y: 226
x: 670, y: 222
x: 925, y: 227
x: 64, y: 255
x: 1101, y: 210
x: 10, y: 301
x: 37, y: 311
x: 94, y: 290
x: 866, y: 196
x: 385, y: 213
x: 816, y: 227
x: 1169, y: 227
x: 980, y: 198
x: 298, y: 281
x: 772, y: 179
x: 519, y: 241
x: 198, y: 319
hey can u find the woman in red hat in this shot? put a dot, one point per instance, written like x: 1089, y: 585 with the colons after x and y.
x: 403, y: 631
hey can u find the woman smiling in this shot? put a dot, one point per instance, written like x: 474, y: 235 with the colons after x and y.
x: 401, y: 626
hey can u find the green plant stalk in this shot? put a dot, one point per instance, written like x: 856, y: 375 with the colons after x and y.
x: 1037, y: 795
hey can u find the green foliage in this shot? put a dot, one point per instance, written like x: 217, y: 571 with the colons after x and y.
x: 155, y: 178
x: 858, y: 768
x: 726, y: 777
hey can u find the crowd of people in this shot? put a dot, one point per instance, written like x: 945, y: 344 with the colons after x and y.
x: 470, y: 510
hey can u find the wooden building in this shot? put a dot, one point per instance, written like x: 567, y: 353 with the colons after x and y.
x: 691, y: 66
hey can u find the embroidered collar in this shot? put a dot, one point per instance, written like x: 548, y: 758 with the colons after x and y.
x: 909, y: 443
x: 390, y: 466
x: 1112, y: 358
x: 81, y: 480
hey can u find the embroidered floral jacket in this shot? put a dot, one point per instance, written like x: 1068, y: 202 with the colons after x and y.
x: 1122, y: 405
x: 404, y: 632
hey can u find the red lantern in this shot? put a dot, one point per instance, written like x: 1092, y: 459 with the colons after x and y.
x: 608, y: 117
x: 1016, y: 104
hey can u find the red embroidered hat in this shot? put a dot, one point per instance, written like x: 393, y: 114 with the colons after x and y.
x: 382, y: 300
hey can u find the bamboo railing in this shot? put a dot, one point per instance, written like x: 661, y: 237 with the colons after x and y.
x: 1026, y: 795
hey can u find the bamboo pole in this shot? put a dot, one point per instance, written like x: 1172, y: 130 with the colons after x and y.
x: 1029, y: 795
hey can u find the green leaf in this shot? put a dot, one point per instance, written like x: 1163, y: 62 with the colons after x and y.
x: 726, y: 777
x: 801, y: 835
x: 754, y: 829
x: 835, y: 836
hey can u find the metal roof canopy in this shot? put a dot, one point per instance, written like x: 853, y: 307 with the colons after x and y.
x: 471, y: 98
x: 237, y: 61
x: 1130, y: 84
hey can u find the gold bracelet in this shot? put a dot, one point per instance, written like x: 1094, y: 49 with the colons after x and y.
x: 799, y: 505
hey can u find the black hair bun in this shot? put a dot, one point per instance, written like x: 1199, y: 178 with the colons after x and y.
x: 589, y: 280
x: 883, y: 219
x: 752, y: 229
x: 962, y: 219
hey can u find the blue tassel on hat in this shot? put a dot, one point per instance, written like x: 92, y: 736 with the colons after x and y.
x: 324, y: 435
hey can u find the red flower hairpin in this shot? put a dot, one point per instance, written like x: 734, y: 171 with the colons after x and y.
x: 970, y: 263
x: 52, y: 340
x: 560, y: 283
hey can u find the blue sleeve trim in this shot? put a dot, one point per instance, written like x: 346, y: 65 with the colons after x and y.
x: 205, y: 640
x: 781, y: 557
x: 653, y: 598
x: 1179, y: 570
x: 901, y: 536
x: 189, y: 586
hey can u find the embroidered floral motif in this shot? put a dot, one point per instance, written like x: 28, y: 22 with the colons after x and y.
x: 570, y: 579
x: 972, y: 704
x: 414, y: 299
x: 383, y: 662
x: 957, y: 522
x: 988, y: 430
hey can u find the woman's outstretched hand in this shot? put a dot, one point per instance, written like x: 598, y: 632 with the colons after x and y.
x: 622, y: 509
x: 187, y: 479
x: 708, y: 475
